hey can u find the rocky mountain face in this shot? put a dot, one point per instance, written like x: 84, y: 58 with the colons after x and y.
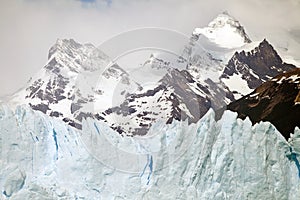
x: 276, y: 101
x: 186, y: 153
x: 181, y: 94
x: 178, y: 96
x: 66, y: 87
x: 80, y: 81
x: 188, y: 94
x: 253, y: 68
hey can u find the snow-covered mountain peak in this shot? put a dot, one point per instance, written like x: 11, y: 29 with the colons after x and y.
x: 75, y: 78
x: 225, y: 31
x: 76, y: 83
x: 222, y: 20
x: 78, y: 56
x: 246, y: 70
x: 64, y: 45
x: 156, y: 62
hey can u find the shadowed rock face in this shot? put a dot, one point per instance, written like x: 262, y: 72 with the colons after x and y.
x: 197, y: 105
x: 179, y: 95
x: 256, y: 66
x: 172, y: 99
x: 276, y: 101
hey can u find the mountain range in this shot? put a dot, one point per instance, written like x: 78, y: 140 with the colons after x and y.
x: 218, y: 121
x: 80, y: 81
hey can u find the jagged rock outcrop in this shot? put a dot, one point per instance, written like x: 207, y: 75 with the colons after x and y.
x: 276, y: 101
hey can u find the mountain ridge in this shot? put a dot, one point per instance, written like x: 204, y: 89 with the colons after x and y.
x: 276, y: 101
x: 80, y: 81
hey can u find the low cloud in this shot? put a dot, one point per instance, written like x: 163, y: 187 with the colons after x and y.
x: 30, y: 27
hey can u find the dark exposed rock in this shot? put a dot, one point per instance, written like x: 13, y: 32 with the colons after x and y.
x: 176, y: 80
x: 34, y: 88
x: 56, y: 114
x: 53, y: 66
x: 274, y: 101
x: 40, y: 107
x: 98, y: 117
x: 178, y: 95
x: 75, y: 107
x: 83, y: 115
x: 72, y: 123
x: 256, y: 66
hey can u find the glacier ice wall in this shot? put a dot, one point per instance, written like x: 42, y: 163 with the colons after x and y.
x: 42, y: 158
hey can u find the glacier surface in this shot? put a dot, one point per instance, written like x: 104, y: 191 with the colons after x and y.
x: 42, y: 158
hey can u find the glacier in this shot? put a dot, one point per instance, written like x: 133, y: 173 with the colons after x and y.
x: 43, y: 158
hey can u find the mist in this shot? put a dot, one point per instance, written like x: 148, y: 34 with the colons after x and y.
x: 29, y: 27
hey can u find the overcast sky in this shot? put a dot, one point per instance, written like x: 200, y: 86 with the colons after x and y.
x: 30, y: 27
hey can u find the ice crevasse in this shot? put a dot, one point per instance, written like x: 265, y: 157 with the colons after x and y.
x: 42, y: 158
